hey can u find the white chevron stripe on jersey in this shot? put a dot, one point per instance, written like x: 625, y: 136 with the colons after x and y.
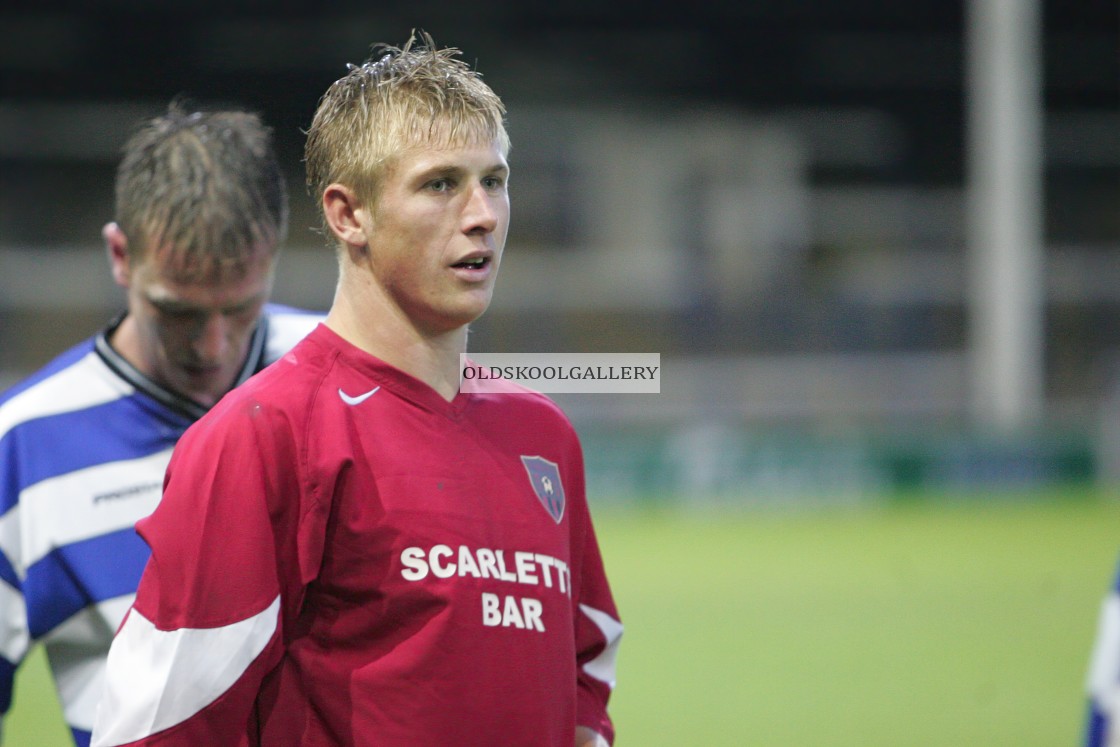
x: 200, y: 664
x: 602, y: 667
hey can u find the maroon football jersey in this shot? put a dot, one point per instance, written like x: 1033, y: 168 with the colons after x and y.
x: 343, y: 557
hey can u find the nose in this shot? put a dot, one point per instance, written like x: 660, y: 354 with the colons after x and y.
x: 211, y: 339
x: 482, y: 211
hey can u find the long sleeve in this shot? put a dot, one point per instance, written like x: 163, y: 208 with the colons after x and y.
x: 598, y: 629
x: 207, y: 626
x: 598, y: 634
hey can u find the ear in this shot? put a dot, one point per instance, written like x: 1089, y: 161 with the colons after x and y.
x: 344, y: 213
x: 116, y: 246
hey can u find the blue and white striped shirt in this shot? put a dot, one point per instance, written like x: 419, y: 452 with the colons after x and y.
x: 84, y: 444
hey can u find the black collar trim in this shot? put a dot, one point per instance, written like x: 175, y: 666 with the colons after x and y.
x: 254, y: 361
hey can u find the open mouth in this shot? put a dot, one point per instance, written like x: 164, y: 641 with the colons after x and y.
x: 476, y: 263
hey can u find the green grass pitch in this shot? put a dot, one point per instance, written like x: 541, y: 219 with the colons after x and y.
x: 947, y: 623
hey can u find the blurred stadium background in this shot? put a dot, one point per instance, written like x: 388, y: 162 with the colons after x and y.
x: 797, y: 203
x: 772, y: 195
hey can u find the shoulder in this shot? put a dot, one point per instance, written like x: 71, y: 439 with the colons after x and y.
x: 523, y: 408
x: 61, y: 363
x: 284, y: 392
x: 513, y: 395
x: 75, y: 380
x: 498, y: 392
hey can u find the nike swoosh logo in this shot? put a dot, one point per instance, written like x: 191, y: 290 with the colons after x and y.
x: 359, y: 399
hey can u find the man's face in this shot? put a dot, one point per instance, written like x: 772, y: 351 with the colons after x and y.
x: 192, y: 336
x: 437, y: 233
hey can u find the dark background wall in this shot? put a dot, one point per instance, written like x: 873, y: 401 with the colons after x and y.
x: 875, y: 88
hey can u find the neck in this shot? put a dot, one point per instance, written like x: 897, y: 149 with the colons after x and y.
x: 369, y: 322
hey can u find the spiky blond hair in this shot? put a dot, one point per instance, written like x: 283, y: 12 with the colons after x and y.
x: 401, y: 98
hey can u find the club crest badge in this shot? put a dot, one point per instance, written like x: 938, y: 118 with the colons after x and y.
x: 544, y: 476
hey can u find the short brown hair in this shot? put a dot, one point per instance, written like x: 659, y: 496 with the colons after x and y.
x: 204, y: 187
x: 398, y: 99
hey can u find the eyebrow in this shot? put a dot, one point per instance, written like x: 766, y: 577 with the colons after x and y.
x: 168, y: 303
x: 176, y: 306
x: 450, y: 169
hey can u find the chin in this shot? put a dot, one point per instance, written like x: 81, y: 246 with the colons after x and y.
x: 468, y: 311
x: 206, y: 390
x: 453, y: 322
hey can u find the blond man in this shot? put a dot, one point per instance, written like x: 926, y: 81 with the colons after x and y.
x: 351, y: 551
